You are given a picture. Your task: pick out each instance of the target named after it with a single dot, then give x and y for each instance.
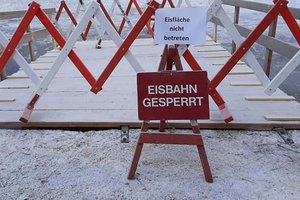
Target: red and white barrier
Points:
(34, 10)
(92, 11)
(280, 8)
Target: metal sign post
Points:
(175, 95)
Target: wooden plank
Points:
(271, 98)
(17, 77)
(245, 84)
(35, 35)
(282, 117)
(241, 73)
(68, 102)
(239, 63)
(7, 100)
(13, 87)
(207, 45)
(212, 50)
(216, 56)
(50, 119)
(40, 68)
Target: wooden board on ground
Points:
(68, 101)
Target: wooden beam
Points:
(21, 13)
(14, 87)
(241, 73)
(261, 7)
(282, 117)
(7, 100)
(276, 45)
(270, 98)
(245, 84)
(35, 35)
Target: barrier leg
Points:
(202, 153)
(135, 161)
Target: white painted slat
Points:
(6, 100)
(245, 84)
(282, 117)
(268, 98)
(241, 73)
(14, 87)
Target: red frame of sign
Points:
(173, 95)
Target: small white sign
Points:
(180, 26)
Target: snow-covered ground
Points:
(55, 164)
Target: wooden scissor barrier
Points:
(18, 58)
(64, 6)
(109, 14)
(100, 14)
(93, 22)
(150, 28)
(280, 8)
(95, 11)
(138, 8)
(34, 10)
(92, 11)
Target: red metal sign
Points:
(173, 95)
